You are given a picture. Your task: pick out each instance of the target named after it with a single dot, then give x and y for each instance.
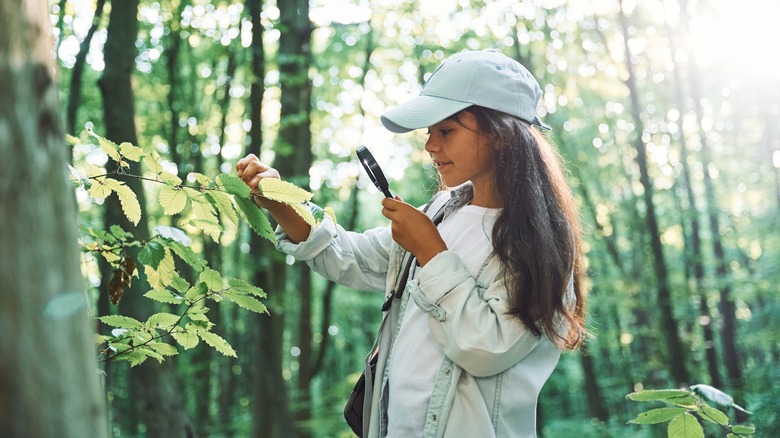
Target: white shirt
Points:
(416, 356)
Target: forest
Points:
(664, 112)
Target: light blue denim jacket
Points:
(493, 369)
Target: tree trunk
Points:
(697, 256)
(675, 354)
(728, 333)
(157, 392)
(48, 371)
(74, 98)
(270, 408)
(293, 160)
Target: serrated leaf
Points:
(242, 286)
(188, 256)
(186, 340)
(304, 213)
(172, 199)
(152, 162)
(657, 394)
(714, 415)
(121, 321)
(742, 429)
(130, 205)
(256, 218)
(211, 278)
(99, 189)
(181, 285)
(210, 228)
(152, 254)
(169, 178)
(109, 147)
(161, 277)
(202, 179)
(233, 185)
(151, 353)
(135, 358)
(162, 320)
(224, 204)
(131, 152)
(164, 296)
(72, 140)
(173, 233)
(331, 213)
(713, 394)
(245, 301)
(218, 343)
(196, 292)
(656, 416)
(283, 191)
(164, 349)
(685, 426)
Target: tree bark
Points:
(74, 98)
(676, 355)
(157, 392)
(48, 371)
(293, 160)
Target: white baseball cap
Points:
(485, 78)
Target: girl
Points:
(474, 328)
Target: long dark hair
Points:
(537, 234)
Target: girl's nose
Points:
(431, 145)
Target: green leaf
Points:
(714, 415)
(131, 152)
(151, 353)
(218, 343)
(172, 199)
(196, 292)
(283, 191)
(161, 277)
(304, 212)
(211, 278)
(121, 321)
(685, 426)
(109, 147)
(256, 218)
(99, 189)
(224, 204)
(713, 394)
(658, 394)
(152, 254)
(202, 179)
(135, 357)
(245, 301)
(169, 178)
(152, 162)
(332, 213)
(164, 296)
(741, 429)
(210, 228)
(162, 320)
(188, 256)
(233, 185)
(173, 233)
(130, 205)
(181, 285)
(656, 416)
(163, 348)
(186, 340)
(242, 286)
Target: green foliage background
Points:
(577, 52)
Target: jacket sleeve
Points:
(475, 331)
(356, 260)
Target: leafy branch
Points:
(213, 204)
(685, 408)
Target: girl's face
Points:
(461, 154)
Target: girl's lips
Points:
(439, 165)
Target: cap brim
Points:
(421, 112)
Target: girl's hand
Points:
(251, 170)
(413, 230)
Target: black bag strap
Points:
(409, 259)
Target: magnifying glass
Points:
(373, 170)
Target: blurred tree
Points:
(47, 361)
